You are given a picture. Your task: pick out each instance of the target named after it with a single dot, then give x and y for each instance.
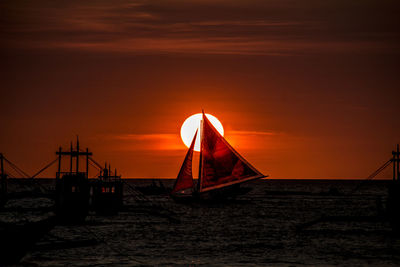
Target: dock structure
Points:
(72, 187)
(393, 203)
(107, 192)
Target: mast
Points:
(59, 163)
(201, 154)
(396, 162)
(73, 153)
(70, 162)
(77, 154)
(87, 162)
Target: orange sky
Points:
(304, 90)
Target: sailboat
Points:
(221, 169)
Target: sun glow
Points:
(190, 126)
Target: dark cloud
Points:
(234, 27)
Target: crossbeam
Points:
(74, 153)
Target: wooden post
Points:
(105, 174)
(87, 162)
(394, 166)
(59, 163)
(74, 153)
(398, 162)
(70, 164)
(77, 154)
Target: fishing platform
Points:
(72, 187)
(107, 192)
(76, 194)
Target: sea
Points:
(278, 223)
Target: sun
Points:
(191, 124)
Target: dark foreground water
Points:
(259, 229)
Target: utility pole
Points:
(396, 161)
(77, 154)
(59, 163)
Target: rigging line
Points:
(36, 182)
(43, 169)
(97, 175)
(94, 166)
(95, 162)
(12, 164)
(15, 167)
(18, 172)
(100, 166)
(380, 169)
(372, 176)
(9, 175)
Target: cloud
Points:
(145, 142)
(197, 27)
(254, 133)
(248, 140)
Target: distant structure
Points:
(76, 194)
(396, 164)
(3, 182)
(107, 196)
(72, 187)
(393, 204)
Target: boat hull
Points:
(212, 196)
(183, 198)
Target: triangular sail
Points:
(185, 176)
(221, 164)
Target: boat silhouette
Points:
(221, 169)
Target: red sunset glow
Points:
(304, 92)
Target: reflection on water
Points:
(258, 229)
